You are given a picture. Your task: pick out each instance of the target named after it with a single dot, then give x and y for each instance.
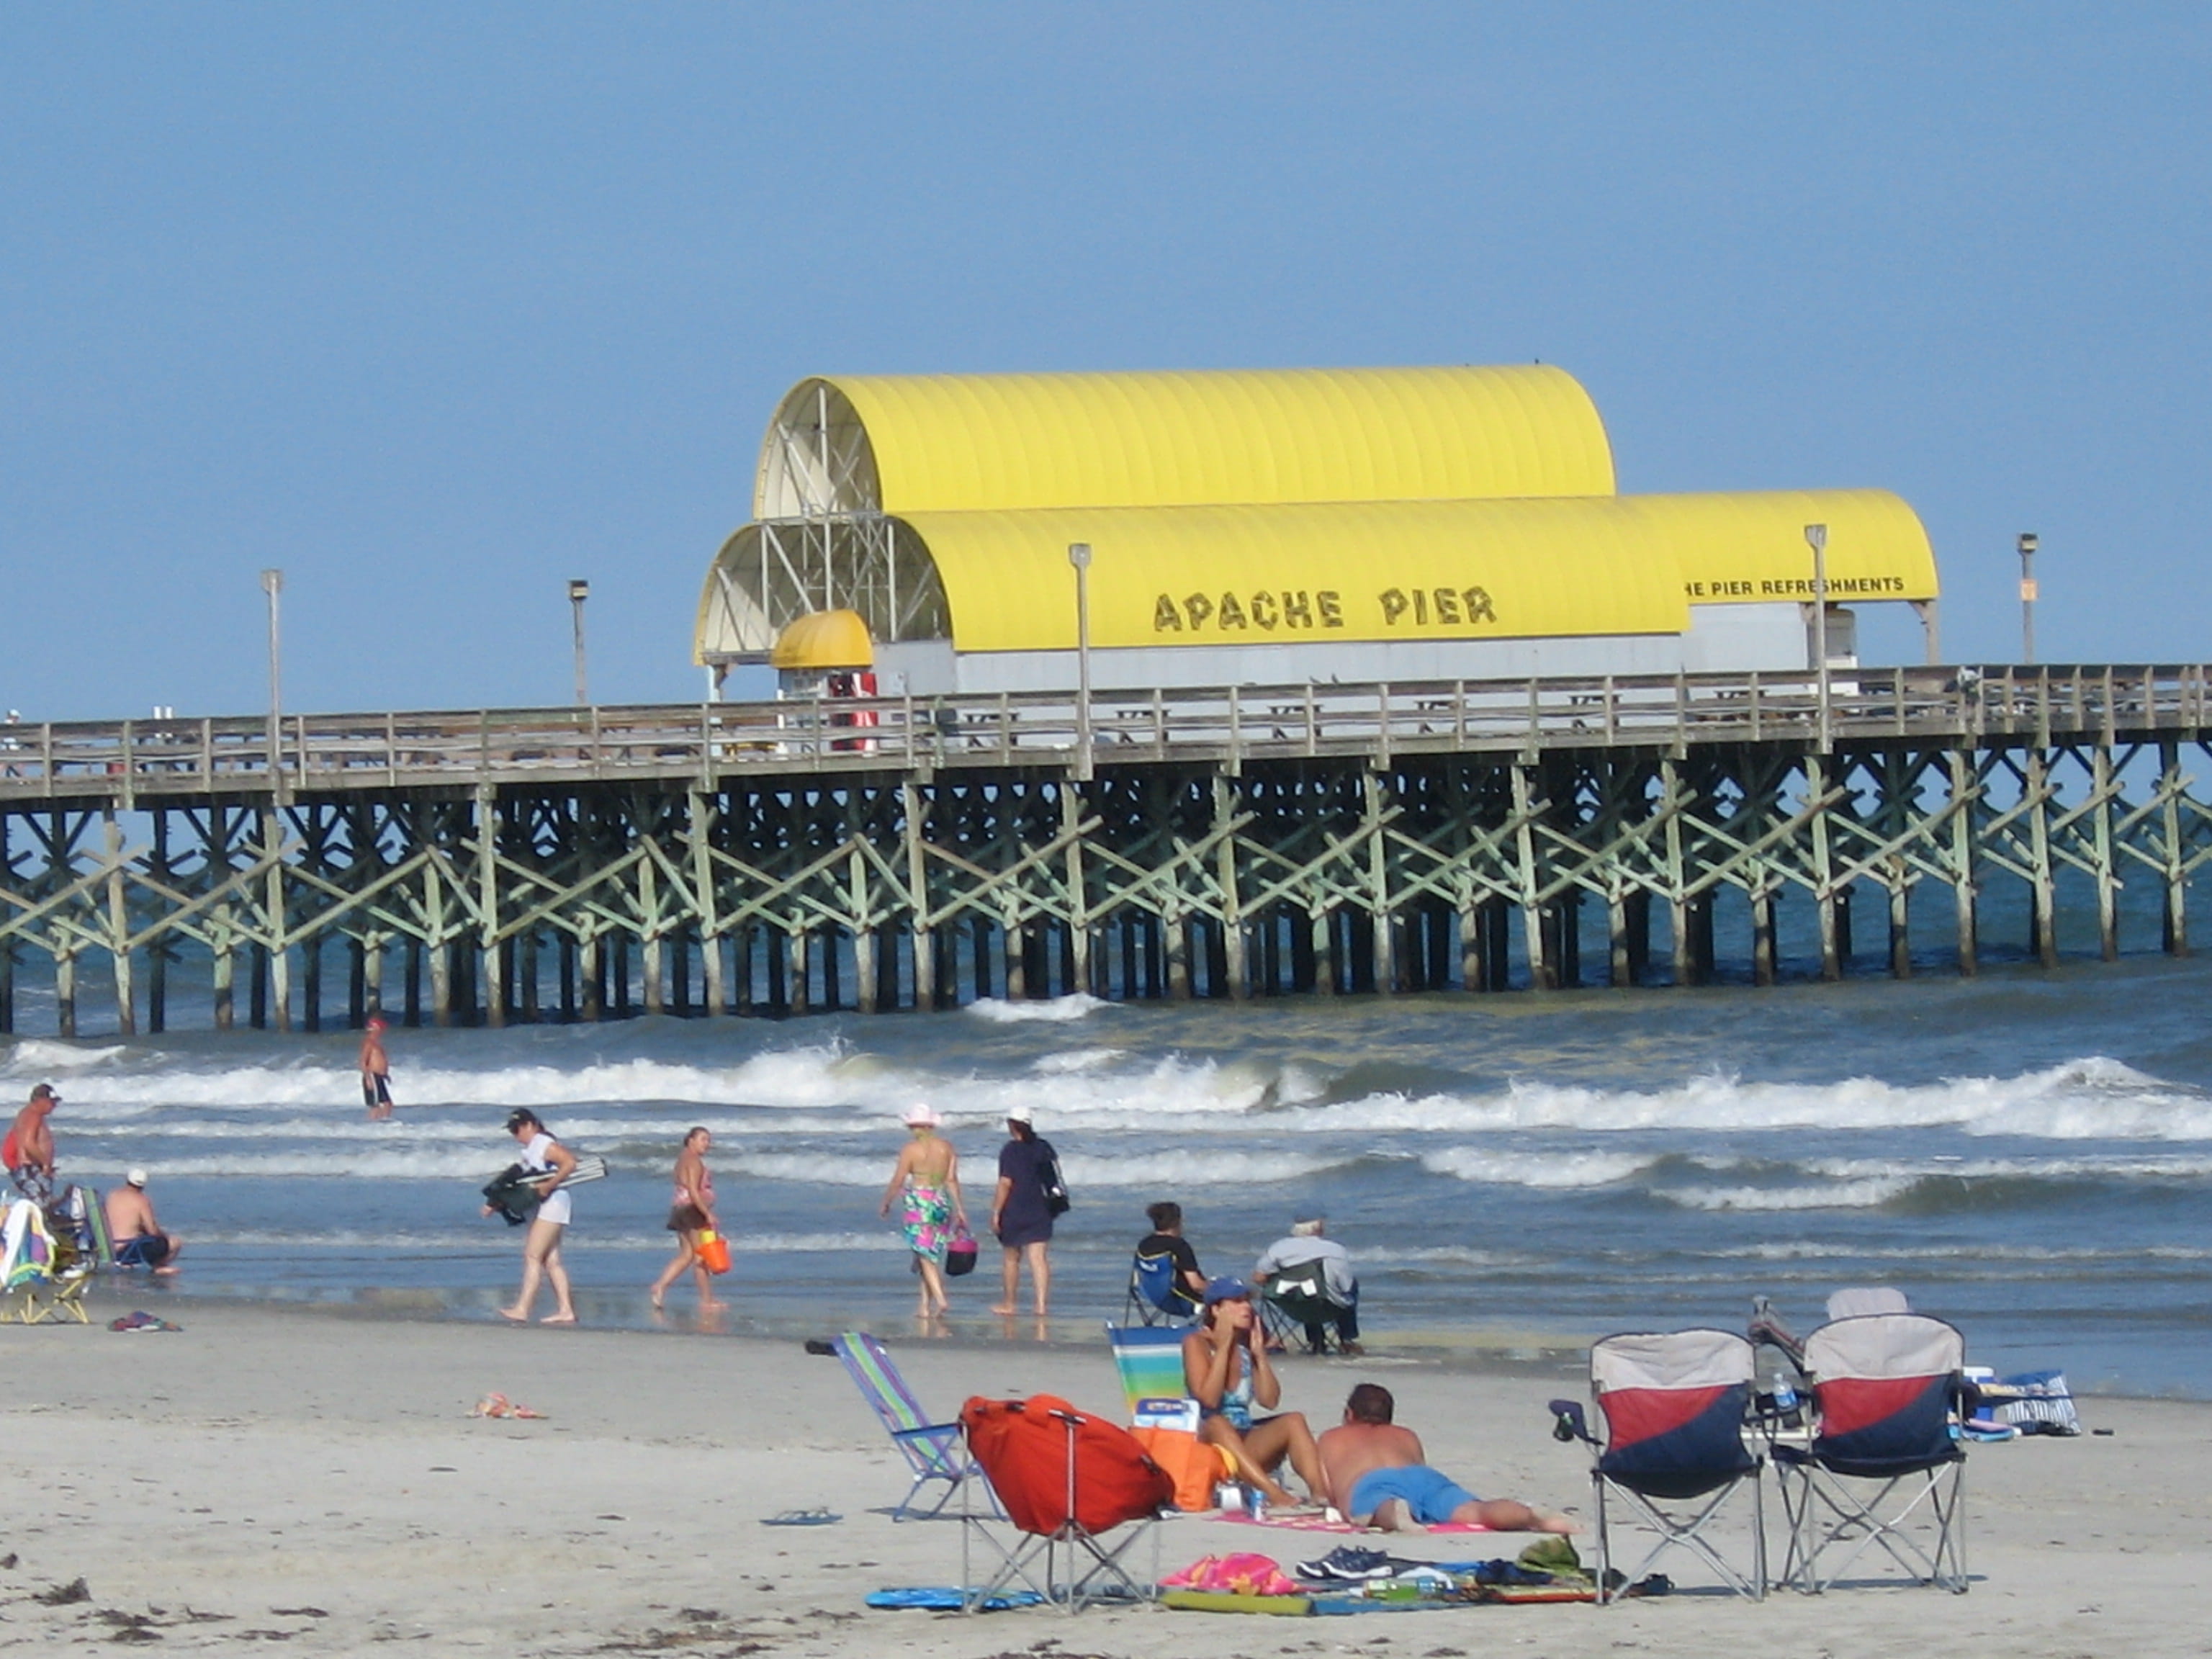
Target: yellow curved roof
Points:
(1750, 549)
(1011, 442)
(1406, 570)
(825, 639)
(1216, 575)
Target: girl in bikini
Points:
(1225, 1367)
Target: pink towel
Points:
(1243, 1574)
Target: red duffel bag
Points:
(1024, 1445)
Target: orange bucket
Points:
(714, 1251)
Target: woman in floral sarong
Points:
(926, 1184)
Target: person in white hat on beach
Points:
(135, 1233)
(926, 1184)
(1023, 1208)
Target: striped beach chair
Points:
(1149, 1358)
(934, 1451)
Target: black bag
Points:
(511, 1193)
(1056, 1200)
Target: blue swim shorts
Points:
(1428, 1493)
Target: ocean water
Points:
(2028, 1154)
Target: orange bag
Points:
(1189, 1461)
(713, 1251)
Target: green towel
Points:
(1555, 1555)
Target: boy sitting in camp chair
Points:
(1308, 1279)
(1163, 1274)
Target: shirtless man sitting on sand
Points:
(1377, 1477)
(133, 1231)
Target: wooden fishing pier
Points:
(774, 858)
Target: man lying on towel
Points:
(1377, 1477)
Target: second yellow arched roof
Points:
(1016, 442)
(1407, 570)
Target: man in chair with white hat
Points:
(134, 1231)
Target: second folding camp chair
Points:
(1881, 1467)
(1068, 1481)
(933, 1450)
(1673, 1407)
(1297, 1305)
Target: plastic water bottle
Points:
(1785, 1396)
(1255, 1502)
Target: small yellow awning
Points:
(825, 639)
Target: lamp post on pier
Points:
(1079, 556)
(1816, 538)
(272, 584)
(579, 591)
(2028, 545)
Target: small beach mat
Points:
(1321, 1523)
(1191, 1600)
(944, 1598)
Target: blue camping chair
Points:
(1155, 1295)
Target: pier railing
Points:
(121, 761)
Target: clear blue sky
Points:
(436, 307)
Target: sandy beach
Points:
(312, 1477)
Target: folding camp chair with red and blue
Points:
(1067, 1480)
(1882, 1467)
(1674, 1407)
(932, 1450)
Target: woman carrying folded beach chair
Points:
(546, 1162)
(1226, 1369)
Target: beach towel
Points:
(1241, 1574)
(944, 1598)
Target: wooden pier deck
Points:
(774, 858)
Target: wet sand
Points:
(312, 1477)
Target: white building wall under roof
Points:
(1732, 638)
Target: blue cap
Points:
(1227, 1288)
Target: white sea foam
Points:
(1211, 1167)
(1075, 1060)
(1076, 1006)
(2094, 1098)
(1094, 1086)
(34, 1059)
(1542, 1169)
(1871, 1192)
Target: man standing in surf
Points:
(375, 1072)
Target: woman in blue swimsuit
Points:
(1225, 1367)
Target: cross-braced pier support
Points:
(767, 894)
